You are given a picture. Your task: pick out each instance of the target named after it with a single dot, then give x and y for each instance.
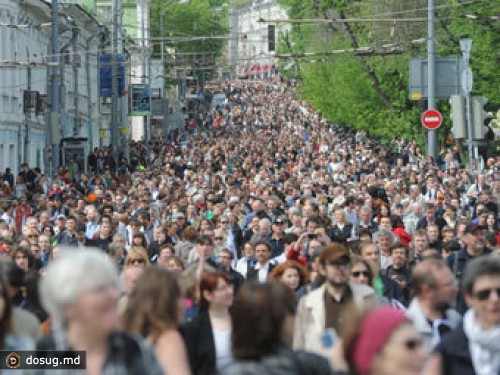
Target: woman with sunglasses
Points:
(361, 272)
(137, 257)
(380, 341)
(474, 346)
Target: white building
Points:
(251, 42)
(25, 33)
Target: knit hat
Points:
(376, 329)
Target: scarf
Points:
(484, 346)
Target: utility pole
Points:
(27, 114)
(145, 73)
(467, 81)
(75, 61)
(164, 100)
(431, 102)
(55, 128)
(89, 94)
(114, 82)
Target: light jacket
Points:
(310, 318)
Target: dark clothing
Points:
(238, 238)
(200, 346)
(253, 273)
(64, 238)
(422, 223)
(457, 263)
(277, 246)
(455, 353)
(236, 279)
(340, 235)
(402, 274)
(125, 355)
(101, 243)
(283, 362)
(392, 290)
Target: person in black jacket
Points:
(474, 346)
(341, 231)
(225, 258)
(208, 335)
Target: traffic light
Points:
(457, 104)
(478, 116)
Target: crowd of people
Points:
(270, 242)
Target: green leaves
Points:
(341, 87)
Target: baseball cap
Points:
(279, 220)
(61, 216)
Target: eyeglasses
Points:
(223, 222)
(218, 238)
(484, 294)
(357, 274)
(412, 344)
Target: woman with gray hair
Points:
(80, 291)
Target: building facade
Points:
(25, 34)
(252, 44)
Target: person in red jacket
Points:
(398, 229)
(22, 211)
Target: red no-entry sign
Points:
(432, 119)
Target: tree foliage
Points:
(372, 92)
(194, 30)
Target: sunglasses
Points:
(359, 273)
(137, 261)
(223, 222)
(484, 294)
(413, 344)
(218, 238)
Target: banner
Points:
(141, 100)
(105, 75)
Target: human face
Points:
(446, 289)
(102, 302)
(430, 214)
(36, 251)
(385, 223)
(399, 257)
(385, 242)
(21, 261)
(359, 274)
(490, 220)
(222, 296)
(70, 225)
(370, 253)
(336, 273)
(248, 250)
(225, 259)
(420, 243)
(402, 354)
(262, 253)
(291, 278)
(159, 235)
(433, 233)
(487, 310)
(474, 241)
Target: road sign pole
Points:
(431, 104)
(465, 46)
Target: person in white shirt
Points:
(260, 271)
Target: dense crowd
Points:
(263, 240)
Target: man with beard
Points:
(321, 310)
(475, 246)
(434, 289)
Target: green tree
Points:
(370, 89)
(195, 30)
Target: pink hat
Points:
(376, 328)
